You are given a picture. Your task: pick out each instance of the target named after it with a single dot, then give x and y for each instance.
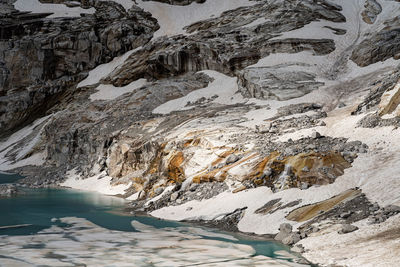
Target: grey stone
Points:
(142, 195)
(267, 172)
(232, 158)
(193, 187)
(392, 209)
(345, 215)
(298, 248)
(291, 239)
(347, 228)
(174, 196)
(305, 169)
(316, 135)
(285, 230)
(265, 128)
(158, 191)
(286, 227)
(314, 229)
(304, 186)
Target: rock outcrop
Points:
(382, 45)
(228, 44)
(41, 58)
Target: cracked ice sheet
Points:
(173, 19)
(82, 242)
(58, 10)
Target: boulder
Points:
(232, 158)
(174, 196)
(347, 228)
(285, 229)
(291, 239)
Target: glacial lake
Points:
(74, 228)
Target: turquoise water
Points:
(6, 178)
(39, 206)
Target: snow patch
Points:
(103, 70)
(370, 246)
(100, 183)
(58, 10)
(110, 92)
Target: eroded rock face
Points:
(277, 84)
(86, 136)
(371, 11)
(227, 45)
(380, 46)
(43, 57)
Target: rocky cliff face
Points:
(41, 58)
(272, 111)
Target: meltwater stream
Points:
(74, 228)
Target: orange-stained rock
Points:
(308, 212)
(333, 163)
(175, 170)
(239, 189)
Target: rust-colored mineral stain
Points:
(333, 161)
(194, 133)
(239, 189)
(157, 161)
(209, 176)
(188, 143)
(258, 170)
(192, 142)
(221, 157)
(393, 103)
(310, 211)
(175, 171)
